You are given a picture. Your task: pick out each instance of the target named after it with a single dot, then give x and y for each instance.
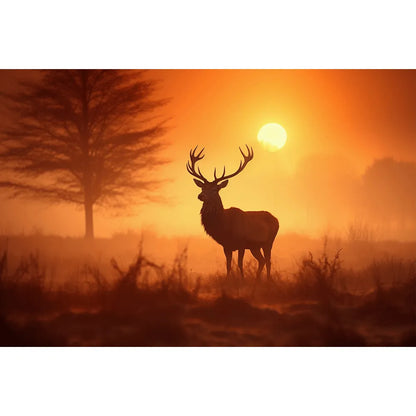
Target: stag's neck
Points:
(212, 213)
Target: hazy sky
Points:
(337, 122)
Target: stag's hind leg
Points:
(240, 261)
(259, 257)
(268, 254)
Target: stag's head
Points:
(211, 189)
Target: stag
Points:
(233, 228)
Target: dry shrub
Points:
(24, 289)
(316, 277)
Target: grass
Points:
(322, 303)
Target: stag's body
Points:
(233, 228)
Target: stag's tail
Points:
(273, 223)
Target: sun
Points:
(272, 136)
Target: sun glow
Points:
(272, 136)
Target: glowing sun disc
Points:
(272, 136)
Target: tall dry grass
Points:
(145, 302)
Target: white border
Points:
(214, 34)
(207, 381)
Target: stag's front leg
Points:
(228, 255)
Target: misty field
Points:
(150, 291)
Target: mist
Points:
(325, 194)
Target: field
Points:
(127, 291)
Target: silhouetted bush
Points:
(24, 289)
(316, 277)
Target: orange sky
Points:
(340, 121)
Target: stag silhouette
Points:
(233, 228)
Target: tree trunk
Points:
(89, 223)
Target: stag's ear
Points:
(198, 183)
(222, 184)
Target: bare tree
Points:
(83, 136)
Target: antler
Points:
(247, 158)
(190, 165)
